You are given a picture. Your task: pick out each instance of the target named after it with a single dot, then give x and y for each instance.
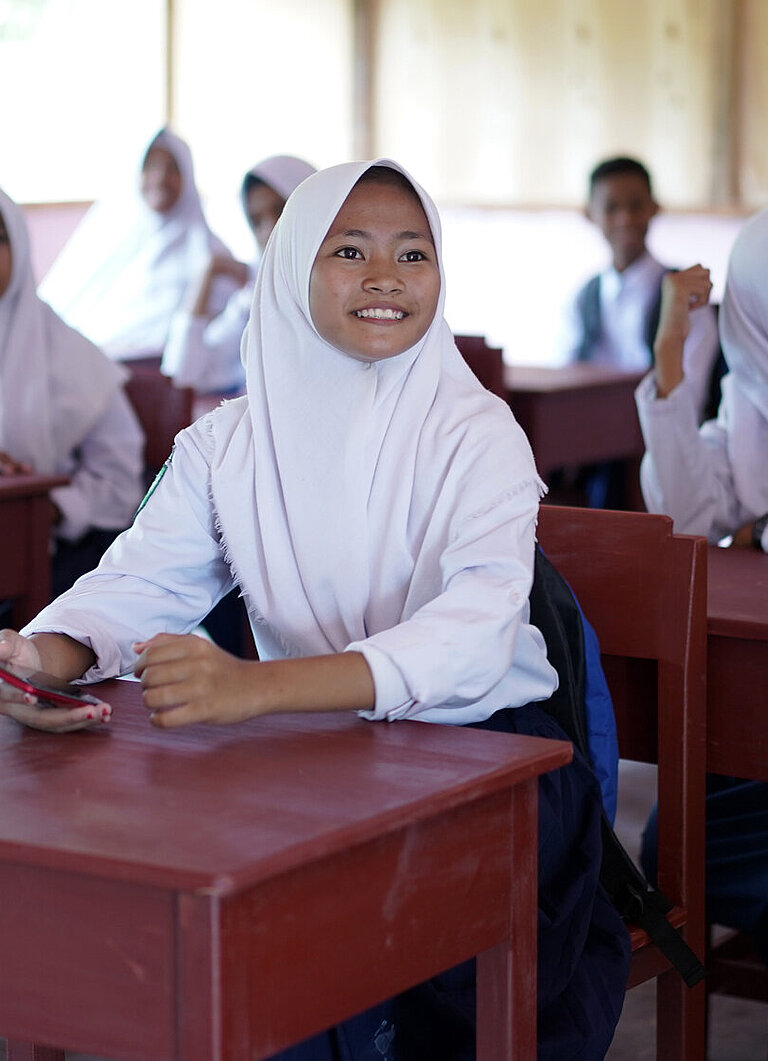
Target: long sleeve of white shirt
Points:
(105, 474)
(166, 572)
(162, 575)
(204, 353)
(685, 472)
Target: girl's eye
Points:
(349, 253)
(413, 256)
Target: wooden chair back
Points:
(163, 410)
(644, 591)
(485, 361)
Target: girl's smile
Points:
(375, 282)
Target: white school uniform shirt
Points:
(204, 352)
(126, 269)
(386, 507)
(626, 300)
(62, 406)
(713, 480)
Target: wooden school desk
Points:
(220, 893)
(577, 414)
(737, 663)
(25, 553)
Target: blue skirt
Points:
(736, 856)
(583, 953)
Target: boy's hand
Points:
(18, 651)
(681, 293)
(187, 679)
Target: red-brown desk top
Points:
(578, 376)
(181, 886)
(737, 593)
(737, 662)
(12, 486)
(577, 414)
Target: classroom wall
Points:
(500, 107)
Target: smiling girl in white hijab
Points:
(126, 269)
(377, 508)
(62, 408)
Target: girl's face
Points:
(375, 283)
(6, 261)
(263, 207)
(160, 180)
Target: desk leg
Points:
(506, 974)
(16, 1051)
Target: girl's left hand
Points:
(187, 679)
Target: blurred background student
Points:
(713, 480)
(203, 349)
(63, 412)
(130, 262)
(614, 317)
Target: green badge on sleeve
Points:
(155, 483)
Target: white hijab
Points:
(336, 482)
(744, 338)
(54, 383)
(126, 269)
(283, 173)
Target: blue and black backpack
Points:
(583, 708)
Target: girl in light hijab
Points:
(377, 508)
(126, 269)
(62, 412)
(203, 350)
(713, 481)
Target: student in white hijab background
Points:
(63, 412)
(713, 481)
(377, 507)
(126, 268)
(203, 350)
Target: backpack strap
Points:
(556, 613)
(639, 902)
(588, 309)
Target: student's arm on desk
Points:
(55, 654)
(187, 679)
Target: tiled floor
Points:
(738, 1029)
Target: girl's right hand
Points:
(18, 651)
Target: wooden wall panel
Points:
(496, 102)
(752, 94)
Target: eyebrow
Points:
(362, 234)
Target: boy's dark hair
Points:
(612, 167)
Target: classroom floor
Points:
(738, 1029)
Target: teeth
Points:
(381, 314)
